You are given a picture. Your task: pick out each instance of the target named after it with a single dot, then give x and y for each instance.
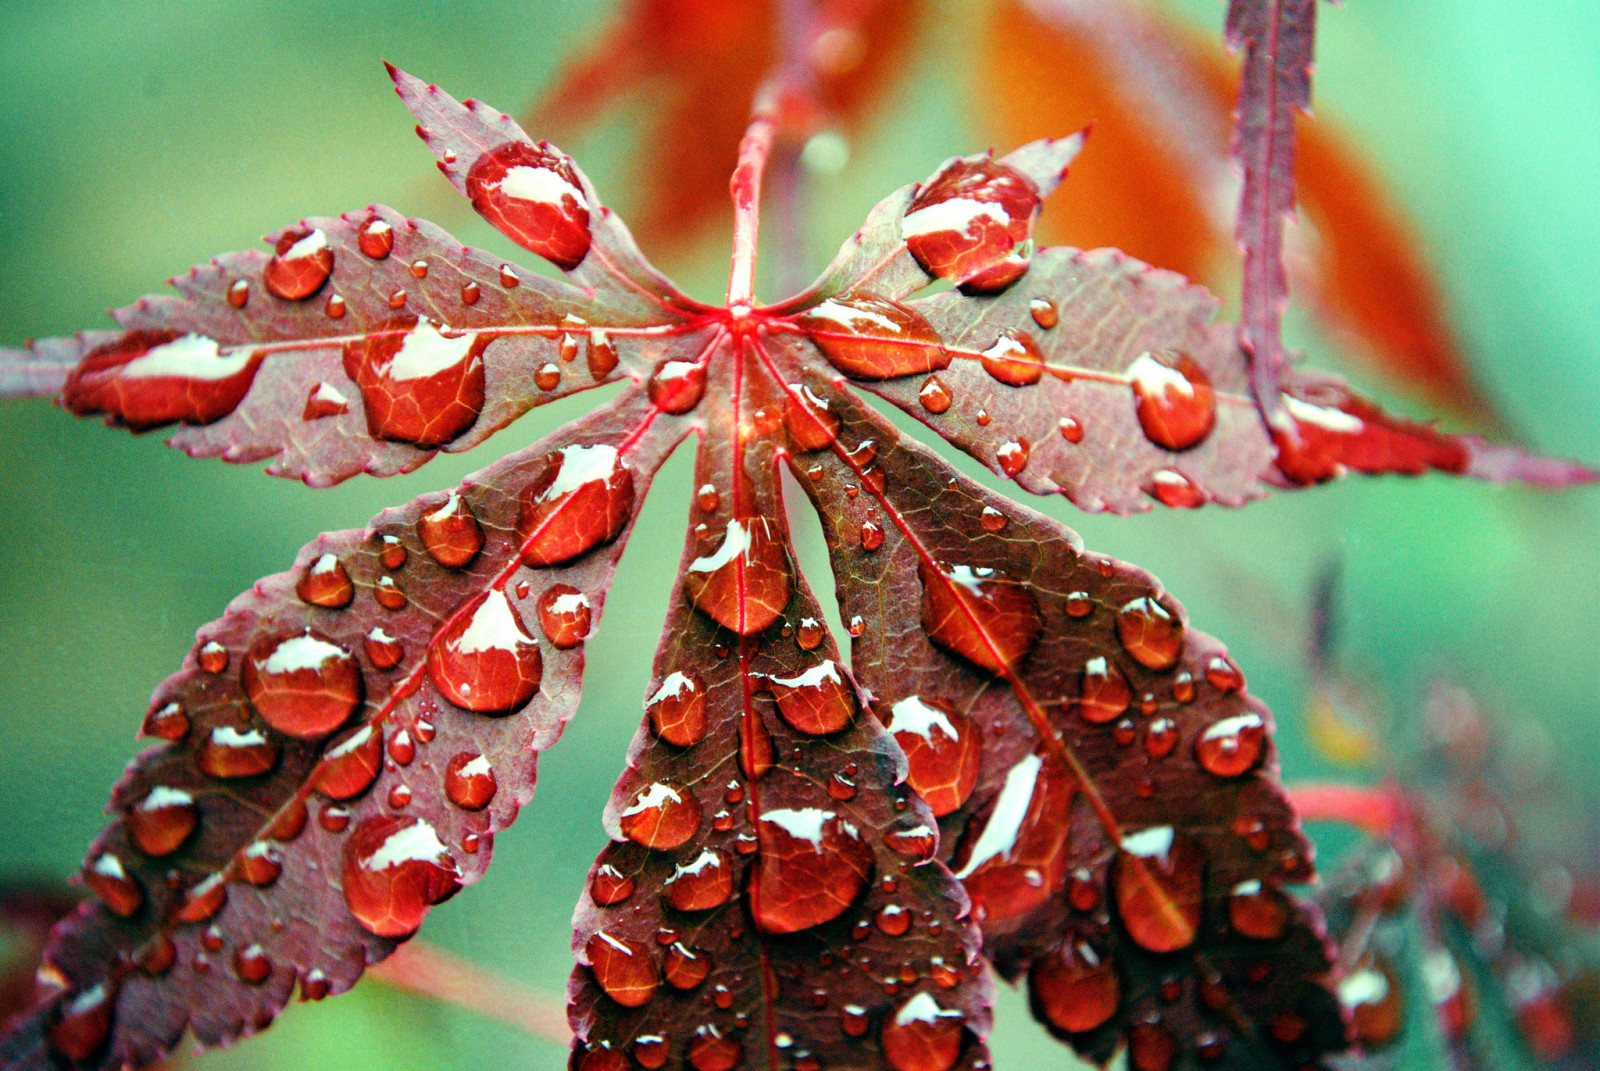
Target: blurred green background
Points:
(138, 138)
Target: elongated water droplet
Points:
(146, 378)
(1074, 988)
(451, 533)
(301, 263)
(1149, 633)
(420, 382)
(395, 868)
(678, 709)
(239, 293)
(811, 866)
(302, 683)
(388, 593)
(564, 616)
(1014, 858)
(746, 583)
(704, 882)
(602, 357)
(350, 766)
(922, 1036)
(533, 196)
(812, 425)
(1175, 490)
(661, 817)
(581, 499)
(261, 863)
(230, 752)
(1158, 884)
(818, 701)
(484, 660)
(1376, 1002)
(469, 781)
(470, 293)
(1015, 360)
(1232, 746)
(873, 338)
(979, 614)
(942, 748)
(624, 968)
(204, 900)
(1104, 692)
(1173, 399)
(119, 890)
(212, 656)
(325, 583)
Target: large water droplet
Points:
(745, 583)
(705, 882)
(1014, 859)
(873, 338)
(1074, 988)
(325, 583)
(1173, 398)
(678, 709)
(469, 781)
(966, 221)
(533, 196)
(376, 238)
(167, 721)
(162, 820)
(1158, 884)
(231, 752)
(943, 749)
(302, 261)
(564, 616)
(1015, 360)
(661, 817)
(119, 890)
(350, 766)
(302, 683)
(1149, 633)
(1232, 746)
(818, 701)
(676, 386)
(624, 968)
(484, 660)
(394, 869)
(1104, 693)
(812, 865)
(581, 499)
(451, 533)
(146, 378)
(922, 1036)
(979, 614)
(418, 384)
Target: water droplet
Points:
(678, 709)
(252, 965)
(350, 766)
(157, 957)
(509, 278)
(398, 298)
(1160, 738)
(383, 650)
(686, 968)
(239, 293)
(705, 882)
(212, 656)
(809, 634)
(231, 752)
(261, 863)
(451, 533)
(1104, 692)
(167, 721)
(402, 749)
(376, 238)
(676, 386)
(548, 377)
(1376, 1002)
(818, 701)
(533, 195)
(854, 1021)
(1223, 674)
(610, 886)
(301, 263)
(708, 499)
(1013, 457)
(893, 920)
(942, 749)
(83, 1024)
(745, 583)
(581, 499)
(1183, 689)
(935, 396)
(470, 293)
(1173, 398)
(394, 869)
(483, 659)
(1175, 490)
(1014, 359)
(602, 355)
(980, 614)
(110, 881)
(1258, 911)
(1232, 746)
(564, 616)
(1074, 988)
(660, 816)
(420, 381)
(1044, 313)
(991, 519)
(915, 841)
(873, 338)
(302, 683)
(812, 425)
(1150, 1047)
(1149, 633)
(811, 867)
(856, 625)
(334, 308)
(922, 1036)
(204, 900)
(710, 1051)
(965, 222)
(871, 536)
(388, 593)
(1158, 885)
(399, 797)
(1071, 430)
(623, 967)
(419, 268)
(650, 1051)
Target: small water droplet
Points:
(325, 583)
(204, 900)
(1149, 633)
(388, 593)
(1071, 429)
(602, 359)
(167, 722)
(983, 418)
(1160, 738)
(871, 536)
(419, 268)
(1258, 911)
(610, 886)
(935, 396)
(676, 386)
(660, 816)
(746, 583)
(302, 261)
(704, 882)
(376, 238)
(119, 890)
(157, 957)
(398, 298)
(228, 751)
(383, 650)
(509, 279)
(548, 377)
(709, 1050)
(564, 616)
(1175, 490)
(261, 863)
(83, 1023)
(1150, 1047)
(1044, 313)
(893, 920)
(1175, 403)
(1013, 457)
(811, 424)
(991, 519)
(212, 656)
(854, 1021)
(239, 293)
(470, 293)
(252, 965)
(1223, 674)
(650, 1051)
(451, 532)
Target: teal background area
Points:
(139, 138)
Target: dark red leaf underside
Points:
(325, 786)
(994, 619)
(769, 899)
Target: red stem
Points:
(746, 189)
(439, 975)
(1376, 810)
